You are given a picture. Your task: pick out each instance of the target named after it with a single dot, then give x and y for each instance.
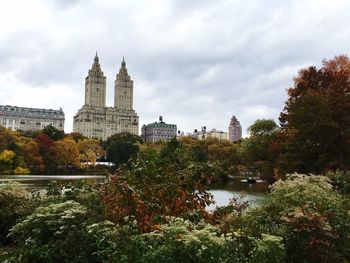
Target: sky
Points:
(194, 62)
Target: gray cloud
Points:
(194, 62)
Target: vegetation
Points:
(153, 209)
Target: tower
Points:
(234, 130)
(94, 119)
(123, 89)
(95, 86)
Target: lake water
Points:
(222, 193)
(241, 191)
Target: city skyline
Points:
(195, 62)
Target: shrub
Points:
(53, 234)
(269, 249)
(115, 243)
(14, 205)
(341, 180)
(182, 241)
(310, 216)
(154, 187)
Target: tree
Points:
(53, 132)
(30, 151)
(121, 147)
(90, 150)
(6, 161)
(263, 127)
(316, 119)
(258, 152)
(66, 155)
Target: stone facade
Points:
(234, 130)
(158, 131)
(204, 134)
(30, 119)
(94, 119)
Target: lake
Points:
(241, 191)
(222, 193)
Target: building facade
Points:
(158, 131)
(30, 119)
(95, 119)
(203, 134)
(234, 130)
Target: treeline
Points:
(47, 151)
(313, 136)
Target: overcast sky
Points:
(195, 62)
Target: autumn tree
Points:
(11, 152)
(90, 150)
(316, 119)
(29, 149)
(155, 186)
(66, 155)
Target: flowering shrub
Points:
(53, 234)
(310, 216)
(182, 241)
(268, 249)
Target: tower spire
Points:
(123, 62)
(96, 57)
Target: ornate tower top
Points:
(123, 63)
(123, 89)
(95, 70)
(95, 85)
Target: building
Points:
(95, 119)
(203, 134)
(234, 130)
(158, 131)
(214, 133)
(30, 119)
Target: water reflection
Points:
(241, 191)
(36, 182)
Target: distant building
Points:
(30, 119)
(234, 130)
(94, 119)
(201, 135)
(204, 134)
(221, 135)
(158, 131)
(180, 134)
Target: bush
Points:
(310, 216)
(154, 187)
(182, 241)
(15, 205)
(341, 180)
(269, 249)
(53, 234)
(114, 243)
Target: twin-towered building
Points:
(97, 120)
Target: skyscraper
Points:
(94, 119)
(234, 130)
